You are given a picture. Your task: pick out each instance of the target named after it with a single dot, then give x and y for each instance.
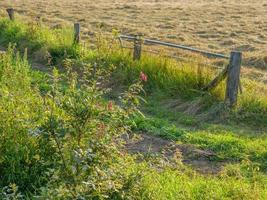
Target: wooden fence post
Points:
(233, 79)
(39, 20)
(11, 13)
(137, 48)
(77, 33)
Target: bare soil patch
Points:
(198, 159)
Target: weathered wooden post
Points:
(137, 48)
(11, 13)
(233, 79)
(77, 33)
(39, 20)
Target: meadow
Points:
(218, 26)
(91, 123)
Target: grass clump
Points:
(42, 43)
(178, 185)
(21, 110)
(226, 144)
(230, 147)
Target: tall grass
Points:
(20, 111)
(39, 40)
(178, 185)
(185, 80)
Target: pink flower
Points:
(143, 77)
(110, 105)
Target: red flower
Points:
(143, 77)
(110, 105)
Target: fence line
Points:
(178, 58)
(231, 71)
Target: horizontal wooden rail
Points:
(167, 44)
(179, 58)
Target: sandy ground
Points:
(215, 25)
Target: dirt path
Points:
(199, 160)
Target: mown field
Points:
(91, 123)
(216, 25)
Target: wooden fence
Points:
(231, 71)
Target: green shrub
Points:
(66, 137)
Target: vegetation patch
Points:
(62, 133)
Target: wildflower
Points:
(143, 77)
(110, 105)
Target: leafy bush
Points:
(66, 138)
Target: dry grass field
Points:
(216, 25)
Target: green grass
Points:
(41, 42)
(176, 185)
(227, 144)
